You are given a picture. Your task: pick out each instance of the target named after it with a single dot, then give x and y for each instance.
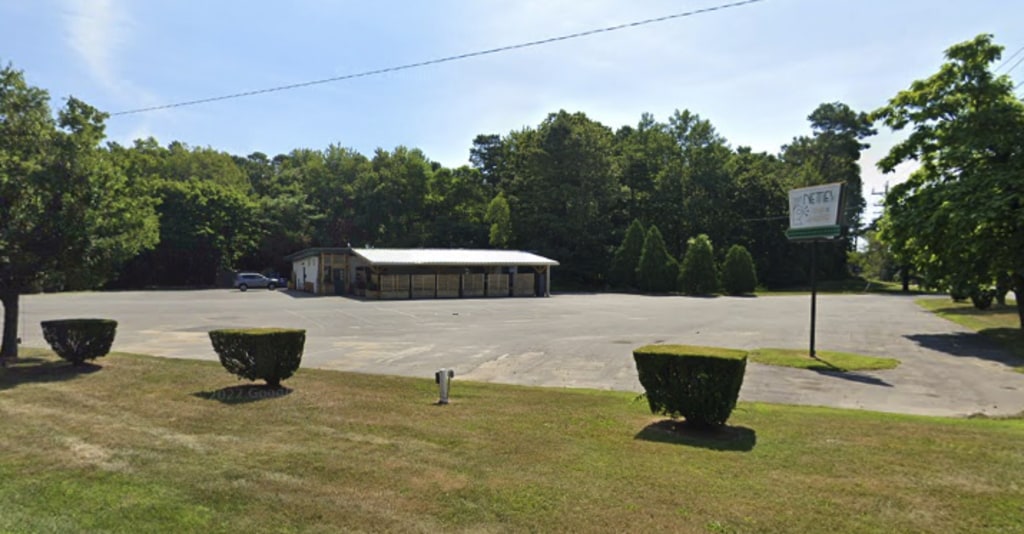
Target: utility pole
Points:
(884, 193)
(904, 269)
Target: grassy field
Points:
(826, 360)
(998, 323)
(144, 444)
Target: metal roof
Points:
(449, 257)
(315, 251)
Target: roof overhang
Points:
(316, 251)
(447, 257)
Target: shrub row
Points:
(642, 261)
(270, 354)
(701, 384)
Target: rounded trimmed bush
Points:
(739, 276)
(77, 340)
(270, 354)
(700, 384)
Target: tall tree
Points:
(760, 208)
(208, 215)
(68, 213)
(831, 155)
(456, 206)
(563, 192)
(488, 156)
(707, 186)
(959, 218)
(643, 154)
(500, 219)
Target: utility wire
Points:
(1015, 65)
(443, 59)
(1009, 59)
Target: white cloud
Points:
(100, 32)
(97, 29)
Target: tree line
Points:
(566, 189)
(77, 213)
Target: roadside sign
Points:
(815, 212)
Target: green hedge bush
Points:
(270, 354)
(698, 275)
(700, 384)
(77, 340)
(739, 276)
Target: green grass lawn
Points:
(826, 360)
(999, 323)
(144, 444)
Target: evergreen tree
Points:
(697, 275)
(738, 274)
(656, 272)
(627, 256)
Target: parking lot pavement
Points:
(579, 340)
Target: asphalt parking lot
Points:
(579, 340)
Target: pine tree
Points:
(698, 275)
(627, 257)
(656, 272)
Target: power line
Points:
(443, 59)
(1015, 65)
(1009, 59)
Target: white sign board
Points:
(815, 206)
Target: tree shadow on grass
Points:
(244, 394)
(724, 438)
(990, 344)
(32, 370)
(852, 376)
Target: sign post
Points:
(815, 214)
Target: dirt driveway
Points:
(580, 340)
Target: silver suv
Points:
(244, 281)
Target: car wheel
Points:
(242, 287)
(271, 286)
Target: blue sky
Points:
(754, 71)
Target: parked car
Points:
(277, 278)
(244, 281)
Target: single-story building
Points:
(388, 273)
